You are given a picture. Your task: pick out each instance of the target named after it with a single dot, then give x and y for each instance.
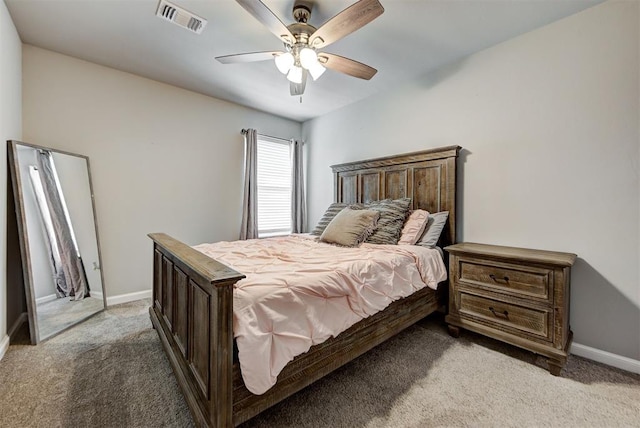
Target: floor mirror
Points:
(58, 234)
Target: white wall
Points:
(550, 126)
(10, 128)
(163, 159)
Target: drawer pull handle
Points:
(505, 278)
(503, 314)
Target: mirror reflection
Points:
(58, 238)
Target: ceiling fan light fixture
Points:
(308, 57)
(284, 62)
(295, 74)
(316, 70)
(302, 41)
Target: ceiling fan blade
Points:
(263, 14)
(346, 22)
(347, 66)
(248, 57)
(298, 88)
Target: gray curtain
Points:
(48, 233)
(249, 227)
(298, 201)
(73, 282)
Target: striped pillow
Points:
(329, 214)
(393, 213)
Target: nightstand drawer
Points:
(526, 281)
(501, 314)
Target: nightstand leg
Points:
(453, 330)
(555, 367)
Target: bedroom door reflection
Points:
(58, 237)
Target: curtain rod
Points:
(244, 131)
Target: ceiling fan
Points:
(302, 41)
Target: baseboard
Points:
(96, 294)
(604, 357)
(22, 318)
(130, 297)
(4, 345)
(45, 299)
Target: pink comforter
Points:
(299, 292)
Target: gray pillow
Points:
(434, 228)
(350, 228)
(329, 214)
(393, 213)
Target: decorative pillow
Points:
(434, 228)
(350, 228)
(329, 214)
(393, 213)
(414, 227)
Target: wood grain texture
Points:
(402, 159)
(515, 318)
(167, 291)
(248, 57)
(553, 258)
(201, 355)
(195, 263)
(157, 279)
(216, 393)
(428, 177)
(199, 337)
(396, 183)
(527, 281)
(517, 295)
(346, 22)
(263, 14)
(181, 308)
(370, 187)
(347, 66)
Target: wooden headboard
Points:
(427, 177)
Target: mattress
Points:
(298, 292)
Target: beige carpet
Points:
(111, 372)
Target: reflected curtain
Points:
(249, 227)
(298, 201)
(49, 233)
(71, 280)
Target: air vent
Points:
(181, 17)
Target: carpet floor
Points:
(110, 371)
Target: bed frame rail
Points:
(192, 313)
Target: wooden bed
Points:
(192, 307)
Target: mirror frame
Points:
(16, 182)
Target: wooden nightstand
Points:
(516, 295)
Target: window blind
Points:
(274, 187)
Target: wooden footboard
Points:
(192, 312)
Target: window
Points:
(274, 187)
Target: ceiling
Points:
(411, 38)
